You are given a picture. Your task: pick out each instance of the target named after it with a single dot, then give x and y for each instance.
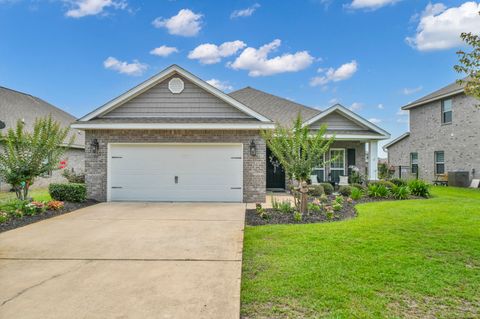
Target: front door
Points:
(275, 173)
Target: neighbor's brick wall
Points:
(75, 160)
(460, 140)
(254, 169)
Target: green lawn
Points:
(40, 194)
(402, 259)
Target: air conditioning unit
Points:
(459, 178)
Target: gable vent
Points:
(176, 85)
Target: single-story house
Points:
(175, 137)
(15, 106)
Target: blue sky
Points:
(370, 55)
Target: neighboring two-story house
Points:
(444, 136)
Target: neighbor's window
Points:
(439, 162)
(447, 111)
(414, 162)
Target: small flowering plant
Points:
(40, 207)
(55, 205)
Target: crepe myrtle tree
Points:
(469, 64)
(28, 155)
(299, 150)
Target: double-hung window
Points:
(320, 171)
(440, 162)
(414, 163)
(337, 166)
(447, 111)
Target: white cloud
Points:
(221, 85)
(380, 106)
(356, 106)
(333, 101)
(370, 4)
(344, 72)
(82, 8)
(440, 28)
(410, 91)
(257, 63)
(134, 68)
(164, 51)
(209, 53)
(375, 120)
(244, 12)
(186, 23)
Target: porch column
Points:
(373, 160)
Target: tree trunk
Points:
(303, 197)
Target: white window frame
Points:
(412, 163)
(437, 163)
(443, 110)
(344, 160)
(321, 168)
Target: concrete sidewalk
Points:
(126, 260)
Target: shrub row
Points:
(72, 192)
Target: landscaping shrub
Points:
(387, 184)
(419, 187)
(377, 190)
(399, 181)
(73, 177)
(316, 190)
(297, 216)
(359, 186)
(285, 207)
(328, 188)
(314, 207)
(324, 198)
(55, 205)
(337, 207)
(356, 193)
(345, 190)
(72, 192)
(339, 199)
(400, 192)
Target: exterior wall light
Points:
(94, 146)
(253, 148)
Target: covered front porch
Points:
(349, 154)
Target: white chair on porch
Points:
(314, 179)
(343, 181)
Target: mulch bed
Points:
(25, 220)
(276, 217)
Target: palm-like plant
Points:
(299, 150)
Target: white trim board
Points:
(351, 115)
(433, 99)
(142, 87)
(395, 140)
(173, 126)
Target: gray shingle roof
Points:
(135, 120)
(445, 91)
(279, 110)
(16, 106)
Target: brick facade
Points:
(254, 168)
(460, 140)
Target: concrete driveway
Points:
(126, 260)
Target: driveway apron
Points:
(126, 260)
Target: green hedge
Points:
(72, 192)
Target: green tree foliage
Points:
(28, 155)
(469, 64)
(299, 150)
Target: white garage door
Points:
(176, 172)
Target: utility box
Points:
(459, 178)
